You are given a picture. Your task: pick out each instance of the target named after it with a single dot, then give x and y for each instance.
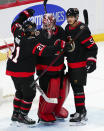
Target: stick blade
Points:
(53, 100)
(50, 100)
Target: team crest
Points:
(82, 27)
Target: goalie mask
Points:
(48, 22)
(48, 25)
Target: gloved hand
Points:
(60, 43)
(25, 15)
(90, 66)
(69, 47)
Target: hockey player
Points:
(80, 62)
(52, 81)
(21, 64)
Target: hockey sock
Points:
(16, 105)
(79, 97)
(25, 107)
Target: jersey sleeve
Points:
(44, 50)
(16, 29)
(88, 42)
(31, 46)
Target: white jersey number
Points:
(17, 54)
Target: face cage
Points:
(48, 23)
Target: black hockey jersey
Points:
(22, 61)
(43, 62)
(85, 46)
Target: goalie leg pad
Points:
(45, 111)
(63, 113)
(42, 111)
(60, 111)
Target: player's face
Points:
(32, 29)
(71, 20)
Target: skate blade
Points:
(31, 126)
(77, 124)
(81, 123)
(27, 125)
(19, 124)
(44, 123)
(15, 124)
(85, 119)
(60, 119)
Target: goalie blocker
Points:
(48, 112)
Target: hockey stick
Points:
(47, 99)
(44, 3)
(6, 46)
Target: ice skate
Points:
(25, 119)
(78, 118)
(14, 117)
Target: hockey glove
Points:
(60, 43)
(90, 66)
(69, 47)
(25, 15)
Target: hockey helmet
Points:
(49, 21)
(72, 12)
(29, 27)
